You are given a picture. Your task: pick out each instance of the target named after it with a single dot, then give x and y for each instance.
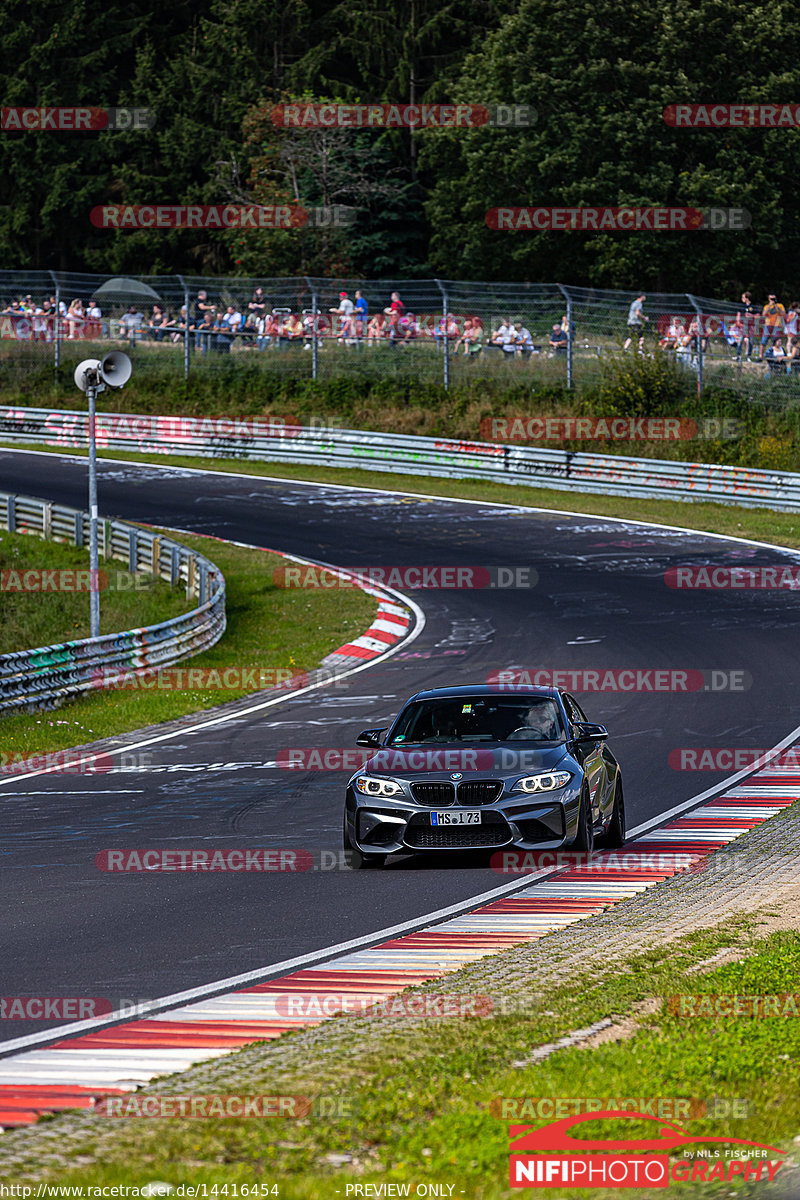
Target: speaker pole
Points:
(94, 572)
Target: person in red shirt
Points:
(394, 312)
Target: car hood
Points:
(484, 761)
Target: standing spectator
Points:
(345, 312)
(636, 322)
(792, 313)
(774, 315)
(394, 312)
(362, 316)
(749, 314)
(75, 319)
(258, 305)
(202, 305)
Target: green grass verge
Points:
(424, 1096)
(269, 628)
(44, 618)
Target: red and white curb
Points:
(76, 1071)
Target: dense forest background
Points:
(598, 74)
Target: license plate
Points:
(462, 817)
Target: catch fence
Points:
(442, 331)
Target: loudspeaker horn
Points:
(88, 364)
(115, 369)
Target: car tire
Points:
(584, 839)
(357, 859)
(614, 836)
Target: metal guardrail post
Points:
(700, 331)
(568, 299)
(446, 376)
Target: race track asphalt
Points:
(600, 601)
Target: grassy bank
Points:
(392, 392)
(425, 1097)
(269, 629)
(46, 617)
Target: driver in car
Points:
(540, 724)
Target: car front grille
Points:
(479, 791)
(420, 836)
(438, 794)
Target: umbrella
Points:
(122, 290)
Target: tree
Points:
(600, 77)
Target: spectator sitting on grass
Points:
(405, 330)
(523, 342)
(794, 353)
(776, 350)
(158, 322)
(204, 331)
(558, 339)
(471, 339)
(131, 323)
(503, 336)
(376, 329)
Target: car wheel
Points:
(356, 858)
(614, 836)
(584, 839)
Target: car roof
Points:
(483, 689)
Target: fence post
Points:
(186, 349)
(446, 377)
(700, 332)
(568, 299)
(314, 317)
(56, 325)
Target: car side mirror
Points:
(370, 738)
(586, 731)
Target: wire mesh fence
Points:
(441, 331)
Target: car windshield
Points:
(479, 719)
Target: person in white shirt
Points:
(503, 336)
(345, 312)
(523, 342)
(230, 323)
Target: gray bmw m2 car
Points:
(482, 768)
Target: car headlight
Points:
(547, 782)
(377, 787)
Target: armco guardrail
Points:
(47, 676)
(276, 440)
